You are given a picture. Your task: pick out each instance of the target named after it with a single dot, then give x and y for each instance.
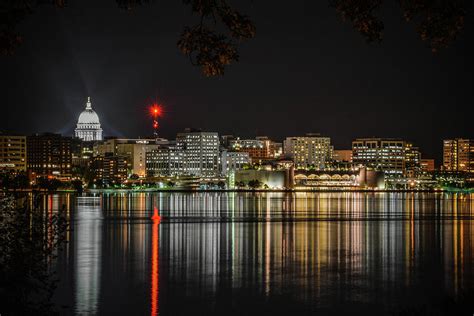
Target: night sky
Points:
(306, 71)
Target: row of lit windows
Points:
(49, 166)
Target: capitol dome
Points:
(88, 125)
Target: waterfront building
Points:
(458, 155)
(225, 140)
(13, 153)
(427, 165)
(276, 150)
(201, 152)
(49, 155)
(88, 124)
(342, 155)
(133, 149)
(109, 169)
(259, 149)
(395, 157)
(329, 178)
(232, 161)
(259, 179)
(273, 150)
(309, 152)
(412, 160)
(165, 161)
(82, 153)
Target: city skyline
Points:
(343, 141)
(90, 115)
(225, 157)
(320, 77)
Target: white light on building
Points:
(88, 125)
(201, 152)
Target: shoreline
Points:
(322, 190)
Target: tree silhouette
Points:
(212, 44)
(255, 184)
(29, 240)
(438, 22)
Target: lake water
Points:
(267, 253)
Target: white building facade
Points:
(134, 149)
(165, 161)
(232, 161)
(88, 125)
(201, 152)
(310, 151)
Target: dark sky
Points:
(305, 71)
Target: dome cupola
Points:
(88, 125)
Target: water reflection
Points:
(291, 206)
(155, 266)
(231, 253)
(88, 254)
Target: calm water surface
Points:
(267, 253)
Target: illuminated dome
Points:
(88, 124)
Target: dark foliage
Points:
(361, 14)
(438, 22)
(14, 181)
(255, 184)
(29, 241)
(240, 184)
(207, 48)
(78, 186)
(202, 44)
(48, 184)
(134, 176)
(130, 4)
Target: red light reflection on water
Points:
(155, 263)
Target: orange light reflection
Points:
(155, 264)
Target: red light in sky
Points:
(156, 110)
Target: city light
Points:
(155, 264)
(156, 111)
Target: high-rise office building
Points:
(201, 152)
(168, 160)
(109, 169)
(458, 155)
(258, 149)
(133, 149)
(310, 151)
(82, 153)
(412, 160)
(49, 155)
(393, 156)
(342, 155)
(13, 153)
(232, 161)
(427, 165)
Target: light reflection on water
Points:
(274, 253)
(87, 254)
